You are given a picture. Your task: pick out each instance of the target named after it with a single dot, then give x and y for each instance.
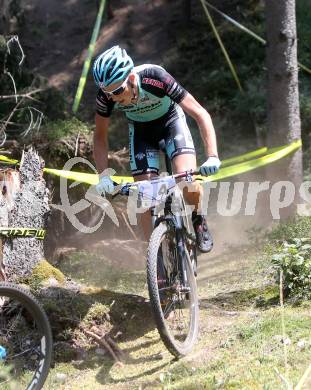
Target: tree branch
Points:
(27, 95)
(108, 343)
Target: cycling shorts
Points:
(144, 138)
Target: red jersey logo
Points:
(155, 83)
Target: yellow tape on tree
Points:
(230, 167)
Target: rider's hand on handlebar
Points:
(105, 185)
(210, 166)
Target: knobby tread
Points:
(152, 254)
(27, 299)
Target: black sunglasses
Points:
(118, 90)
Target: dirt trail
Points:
(220, 277)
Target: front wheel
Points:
(174, 304)
(25, 340)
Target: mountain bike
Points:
(171, 260)
(25, 339)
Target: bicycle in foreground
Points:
(171, 261)
(25, 340)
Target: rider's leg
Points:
(180, 149)
(192, 193)
(144, 161)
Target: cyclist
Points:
(154, 104)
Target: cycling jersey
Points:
(158, 92)
(155, 116)
(144, 141)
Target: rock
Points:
(287, 341)
(278, 338)
(301, 345)
(100, 351)
(51, 282)
(60, 377)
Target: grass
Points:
(251, 355)
(297, 227)
(241, 343)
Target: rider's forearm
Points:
(208, 134)
(193, 108)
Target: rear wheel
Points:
(25, 340)
(175, 305)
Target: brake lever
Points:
(124, 190)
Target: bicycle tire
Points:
(174, 346)
(33, 307)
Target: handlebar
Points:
(125, 188)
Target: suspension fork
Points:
(181, 252)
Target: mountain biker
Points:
(154, 104)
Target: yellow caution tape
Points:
(244, 157)
(87, 178)
(237, 169)
(82, 177)
(230, 167)
(271, 155)
(6, 160)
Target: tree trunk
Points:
(283, 96)
(29, 209)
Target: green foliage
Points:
(98, 313)
(63, 128)
(41, 273)
(292, 256)
(297, 227)
(294, 259)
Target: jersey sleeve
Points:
(159, 82)
(104, 105)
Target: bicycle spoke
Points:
(24, 343)
(172, 290)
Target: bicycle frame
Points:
(174, 221)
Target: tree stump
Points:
(27, 207)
